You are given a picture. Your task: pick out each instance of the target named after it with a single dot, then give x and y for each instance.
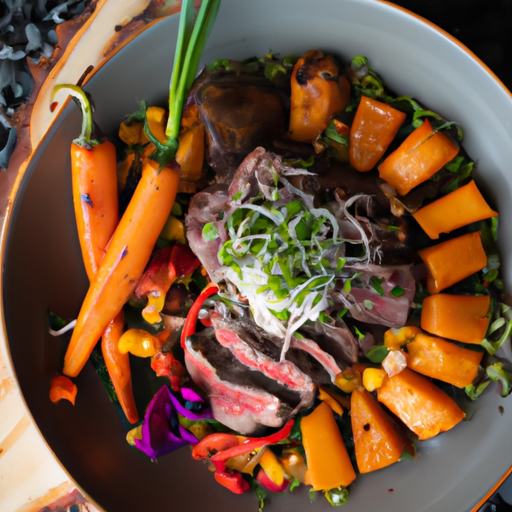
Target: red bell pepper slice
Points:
(184, 260)
(219, 448)
(189, 327)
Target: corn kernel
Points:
(138, 342)
(373, 378)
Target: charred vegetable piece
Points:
(373, 129)
(328, 462)
(420, 404)
(459, 208)
(378, 440)
(457, 317)
(419, 157)
(451, 261)
(319, 90)
(239, 114)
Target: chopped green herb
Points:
(210, 231)
(377, 354)
(377, 284)
(360, 335)
(397, 291)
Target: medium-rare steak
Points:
(241, 398)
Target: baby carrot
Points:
(118, 367)
(134, 238)
(127, 255)
(419, 157)
(457, 317)
(95, 200)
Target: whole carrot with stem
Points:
(96, 205)
(132, 243)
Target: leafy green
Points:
(474, 392)
(497, 373)
(336, 497)
(377, 285)
(397, 291)
(377, 354)
(56, 322)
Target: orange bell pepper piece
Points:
(418, 158)
(318, 91)
(459, 208)
(451, 261)
(190, 154)
(420, 404)
(377, 440)
(442, 360)
(373, 129)
(457, 317)
(328, 462)
(62, 387)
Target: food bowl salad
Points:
(316, 271)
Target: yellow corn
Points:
(173, 230)
(138, 342)
(373, 378)
(272, 468)
(348, 380)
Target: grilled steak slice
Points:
(256, 348)
(241, 398)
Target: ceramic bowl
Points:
(42, 266)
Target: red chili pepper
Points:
(219, 447)
(251, 443)
(232, 480)
(190, 323)
(166, 365)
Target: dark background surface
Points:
(484, 26)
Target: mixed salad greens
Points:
(304, 276)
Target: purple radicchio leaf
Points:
(161, 431)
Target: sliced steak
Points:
(261, 351)
(241, 398)
(335, 340)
